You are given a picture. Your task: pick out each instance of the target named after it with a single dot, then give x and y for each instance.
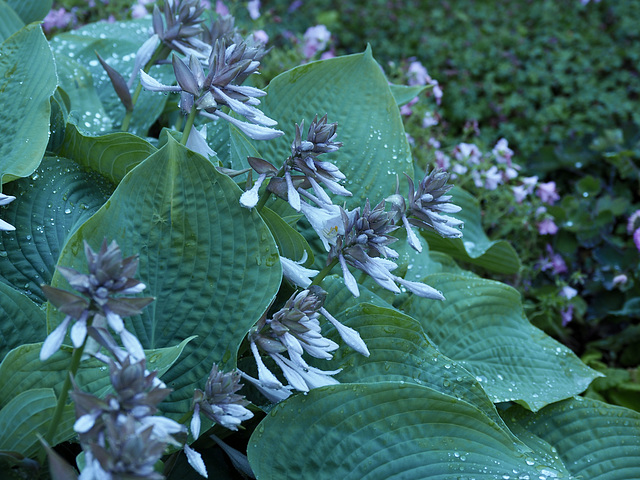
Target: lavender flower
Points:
(109, 275)
(219, 402)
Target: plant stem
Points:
(263, 200)
(189, 125)
(161, 52)
(62, 399)
(324, 272)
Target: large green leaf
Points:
(21, 320)
(60, 106)
(290, 243)
(22, 370)
(482, 325)
(596, 441)
(117, 43)
(390, 430)
(112, 156)
(10, 22)
(29, 414)
(474, 246)
(27, 80)
(49, 206)
(400, 351)
(86, 107)
(212, 265)
(375, 146)
(32, 10)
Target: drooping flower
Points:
(109, 275)
(5, 200)
(219, 401)
(297, 274)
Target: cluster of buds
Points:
(295, 330)
(311, 172)
(121, 434)
(219, 402)
(228, 67)
(110, 276)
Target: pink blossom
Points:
(261, 36)
(437, 91)
(459, 169)
(502, 152)
(631, 222)
(553, 262)
(57, 19)
(328, 54)
(138, 11)
(567, 315)
(547, 227)
(636, 238)
(620, 279)
(493, 178)
(417, 74)
(254, 9)
(406, 108)
(442, 160)
(468, 152)
(530, 183)
(433, 142)
(429, 120)
(568, 292)
(547, 192)
(315, 40)
(221, 8)
(519, 193)
(477, 179)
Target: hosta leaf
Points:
(10, 22)
(389, 430)
(49, 206)
(290, 243)
(403, 94)
(21, 320)
(400, 351)
(231, 145)
(112, 156)
(31, 11)
(27, 80)
(22, 370)
(474, 246)
(117, 43)
(482, 325)
(339, 298)
(211, 264)
(27, 415)
(86, 107)
(595, 440)
(375, 146)
(60, 106)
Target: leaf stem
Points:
(62, 399)
(189, 125)
(324, 272)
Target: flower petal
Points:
(195, 460)
(53, 342)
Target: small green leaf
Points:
(112, 155)
(482, 326)
(290, 243)
(474, 247)
(403, 94)
(595, 440)
(27, 80)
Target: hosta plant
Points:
(303, 313)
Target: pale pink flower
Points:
(221, 8)
(547, 227)
(406, 108)
(442, 160)
(429, 120)
(553, 262)
(433, 142)
(636, 238)
(417, 74)
(138, 11)
(568, 292)
(468, 152)
(567, 315)
(315, 40)
(57, 19)
(328, 54)
(519, 193)
(254, 9)
(261, 36)
(492, 178)
(620, 279)
(547, 192)
(502, 152)
(631, 222)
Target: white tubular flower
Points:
(5, 200)
(274, 395)
(326, 221)
(348, 334)
(195, 460)
(249, 199)
(295, 273)
(197, 142)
